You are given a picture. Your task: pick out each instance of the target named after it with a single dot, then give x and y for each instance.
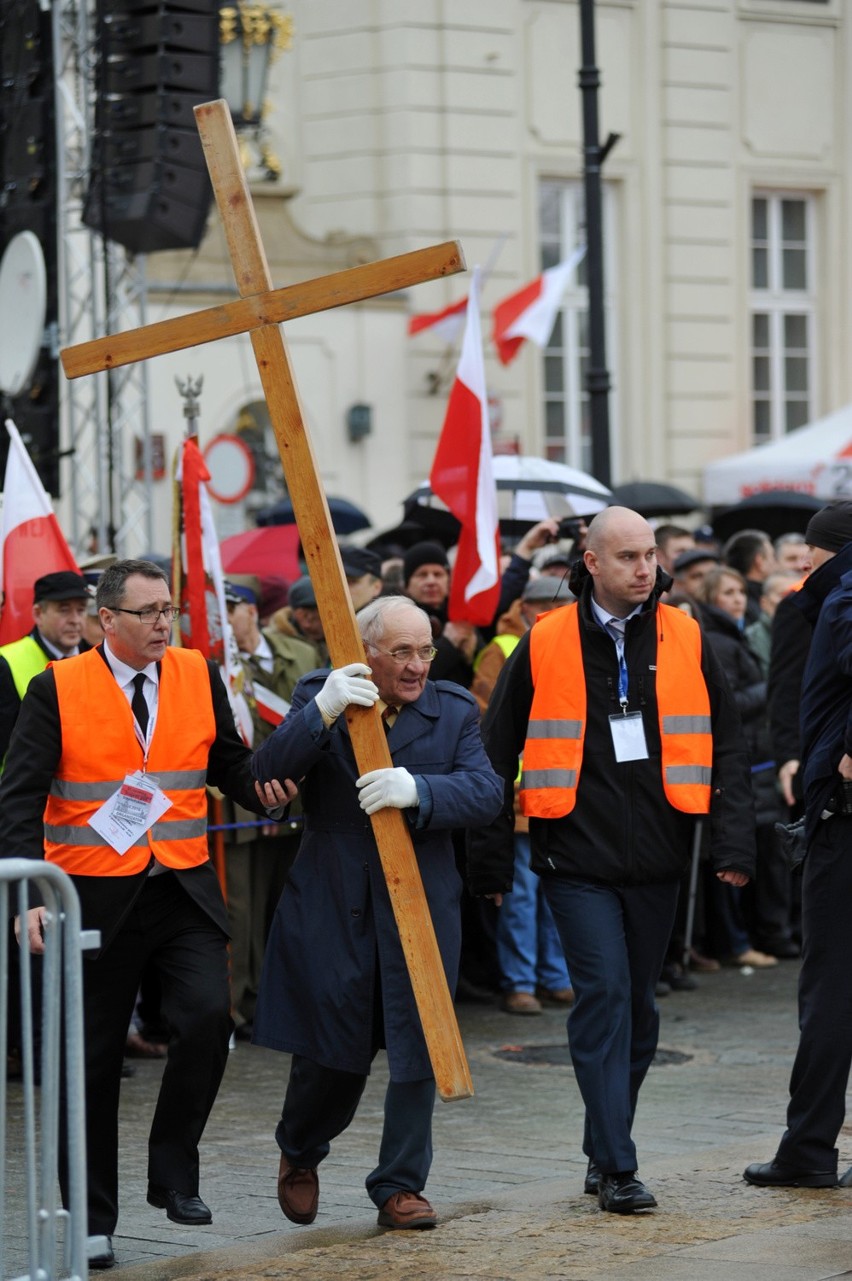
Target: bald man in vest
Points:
(106, 776)
(629, 734)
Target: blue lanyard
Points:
(622, 666)
(622, 675)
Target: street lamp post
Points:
(594, 154)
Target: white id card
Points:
(628, 736)
(131, 811)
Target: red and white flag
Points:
(271, 707)
(463, 477)
(532, 311)
(446, 324)
(32, 542)
(201, 586)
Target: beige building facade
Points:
(401, 124)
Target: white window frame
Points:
(776, 302)
(574, 444)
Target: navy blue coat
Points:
(826, 707)
(334, 924)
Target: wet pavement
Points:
(508, 1172)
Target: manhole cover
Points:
(560, 1054)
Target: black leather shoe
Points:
(179, 1207)
(774, 1174)
(623, 1193)
(592, 1183)
(846, 1180)
(106, 1258)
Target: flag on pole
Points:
(446, 324)
(32, 542)
(463, 477)
(200, 582)
(531, 312)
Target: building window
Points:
(567, 418)
(783, 314)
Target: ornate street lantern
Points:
(252, 36)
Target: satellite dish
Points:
(23, 310)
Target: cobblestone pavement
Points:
(507, 1177)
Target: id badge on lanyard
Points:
(626, 728)
(131, 811)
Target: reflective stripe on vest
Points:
(92, 767)
(683, 707)
(553, 752)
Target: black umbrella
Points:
(775, 511)
(654, 498)
(345, 516)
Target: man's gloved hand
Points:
(391, 788)
(345, 685)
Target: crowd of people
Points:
(634, 680)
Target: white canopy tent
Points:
(815, 460)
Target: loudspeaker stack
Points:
(149, 188)
(28, 203)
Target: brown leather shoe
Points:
(298, 1192)
(559, 996)
(520, 1003)
(407, 1210)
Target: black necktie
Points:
(138, 703)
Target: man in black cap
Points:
(807, 1155)
(363, 570)
(828, 532)
(301, 618)
(59, 613)
(689, 570)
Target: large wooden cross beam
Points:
(259, 312)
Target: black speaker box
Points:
(148, 188)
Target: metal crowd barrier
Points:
(35, 1213)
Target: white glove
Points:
(345, 685)
(384, 788)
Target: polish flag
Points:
(32, 542)
(463, 477)
(271, 707)
(532, 311)
(446, 324)
(200, 583)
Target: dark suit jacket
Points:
(34, 754)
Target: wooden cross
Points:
(259, 312)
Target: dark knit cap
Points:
(830, 528)
(358, 561)
(423, 554)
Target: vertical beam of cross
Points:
(251, 270)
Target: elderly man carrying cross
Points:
(335, 987)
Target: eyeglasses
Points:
(405, 654)
(150, 616)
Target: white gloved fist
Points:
(345, 685)
(391, 788)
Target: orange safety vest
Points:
(553, 752)
(96, 757)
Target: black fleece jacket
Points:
(622, 830)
